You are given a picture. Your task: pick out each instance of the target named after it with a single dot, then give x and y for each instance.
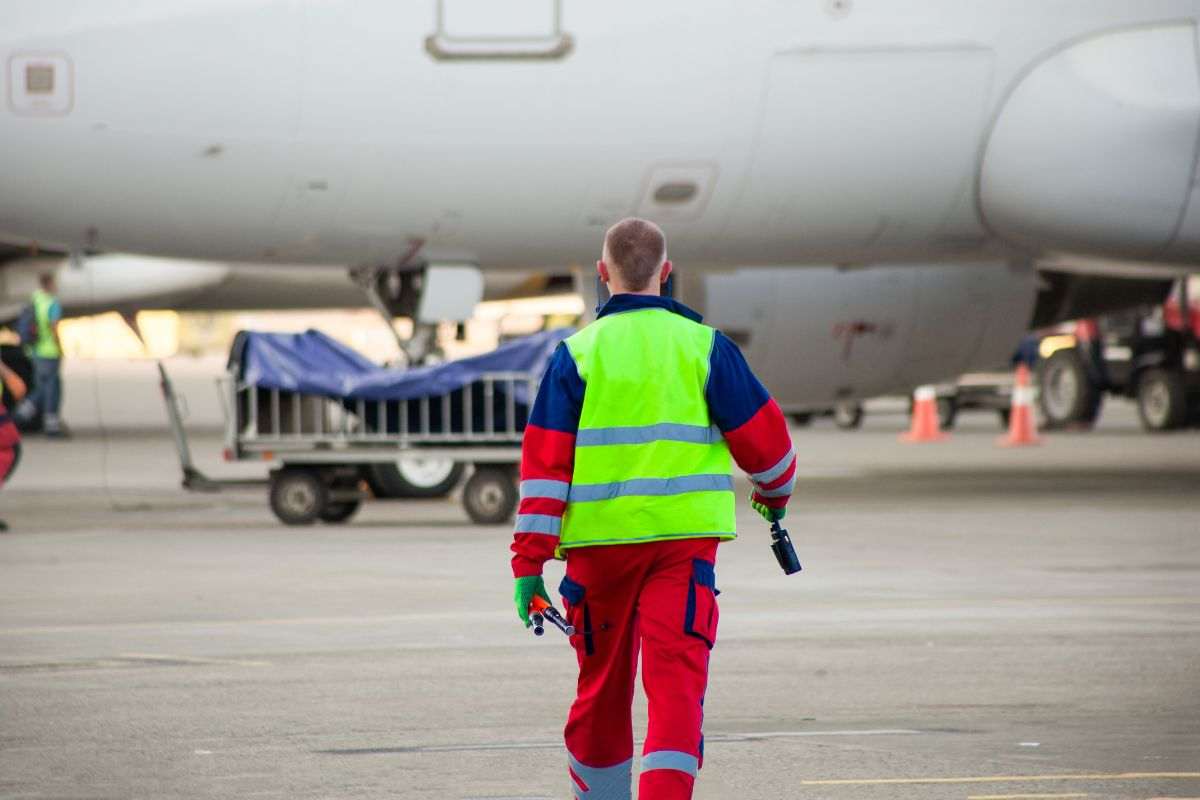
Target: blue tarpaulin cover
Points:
(313, 363)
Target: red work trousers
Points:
(659, 598)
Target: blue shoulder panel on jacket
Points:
(734, 394)
(560, 397)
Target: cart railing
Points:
(484, 412)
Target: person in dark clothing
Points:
(10, 438)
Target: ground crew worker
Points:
(46, 397)
(625, 472)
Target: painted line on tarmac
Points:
(422, 616)
(1098, 776)
(750, 737)
(557, 744)
(1024, 796)
(128, 660)
(165, 658)
(448, 616)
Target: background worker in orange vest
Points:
(626, 472)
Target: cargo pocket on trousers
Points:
(577, 612)
(701, 616)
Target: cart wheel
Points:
(1066, 394)
(416, 477)
(490, 495)
(298, 497)
(334, 513)
(802, 419)
(1162, 400)
(848, 416)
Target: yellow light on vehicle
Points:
(1052, 343)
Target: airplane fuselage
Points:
(758, 133)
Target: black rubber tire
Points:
(1005, 414)
(802, 420)
(335, 513)
(388, 482)
(298, 496)
(848, 416)
(947, 410)
(1162, 400)
(490, 496)
(1066, 394)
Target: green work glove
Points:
(768, 513)
(523, 593)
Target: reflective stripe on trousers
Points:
(601, 783)
(671, 759)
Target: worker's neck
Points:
(647, 292)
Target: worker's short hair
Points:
(46, 279)
(637, 248)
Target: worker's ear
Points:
(666, 272)
(602, 270)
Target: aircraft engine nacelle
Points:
(816, 335)
(1094, 151)
(108, 282)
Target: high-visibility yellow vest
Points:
(649, 463)
(45, 345)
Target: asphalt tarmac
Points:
(971, 622)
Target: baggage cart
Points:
(319, 445)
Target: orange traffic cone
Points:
(925, 426)
(1021, 427)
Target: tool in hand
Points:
(540, 611)
(785, 553)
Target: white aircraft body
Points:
(929, 155)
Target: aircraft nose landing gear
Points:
(427, 294)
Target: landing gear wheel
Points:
(415, 477)
(1162, 400)
(335, 513)
(1066, 395)
(490, 495)
(848, 416)
(298, 496)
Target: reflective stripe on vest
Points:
(649, 463)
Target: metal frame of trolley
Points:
(322, 444)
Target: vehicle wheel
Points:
(490, 495)
(802, 420)
(334, 513)
(298, 497)
(1066, 395)
(1162, 400)
(414, 477)
(848, 416)
(1005, 415)
(947, 411)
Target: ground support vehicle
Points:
(1149, 355)
(972, 392)
(976, 391)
